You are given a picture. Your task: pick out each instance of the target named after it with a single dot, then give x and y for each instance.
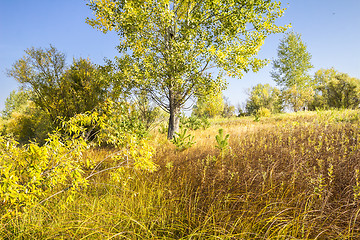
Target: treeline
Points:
(330, 90)
(53, 92)
(296, 89)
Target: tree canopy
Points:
(264, 96)
(291, 71)
(14, 102)
(168, 46)
(59, 90)
(336, 90)
(210, 105)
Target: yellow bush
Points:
(263, 112)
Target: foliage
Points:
(31, 124)
(56, 89)
(163, 128)
(194, 122)
(168, 47)
(264, 96)
(256, 118)
(291, 71)
(31, 173)
(114, 123)
(15, 102)
(343, 92)
(263, 112)
(241, 109)
(335, 90)
(221, 140)
(209, 106)
(148, 113)
(299, 98)
(182, 140)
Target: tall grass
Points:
(290, 176)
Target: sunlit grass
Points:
(288, 176)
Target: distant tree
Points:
(321, 78)
(240, 109)
(24, 120)
(41, 71)
(83, 88)
(228, 110)
(336, 90)
(298, 97)
(210, 105)
(168, 47)
(343, 92)
(56, 89)
(15, 102)
(264, 96)
(149, 113)
(291, 71)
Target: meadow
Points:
(288, 176)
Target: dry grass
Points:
(290, 176)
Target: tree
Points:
(336, 90)
(210, 105)
(298, 97)
(23, 120)
(15, 102)
(343, 91)
(228, 110)
(149, 113)
(264, 96)
(321, 78)
(291, 71)
(168, 46)
(58, 90)
(83, 88)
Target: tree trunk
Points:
(173, 121)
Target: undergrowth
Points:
(290, 176)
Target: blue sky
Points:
(330, 28)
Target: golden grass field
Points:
(288, 176)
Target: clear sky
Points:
(330, 28)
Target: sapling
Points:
(221, 140)
(183, 141)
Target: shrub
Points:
(112, 124)
(221, 140)
(263, 112)
(28, 124)
(32, 172)
(183, 141)
(194, 122)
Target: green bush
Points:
(31, 172)
(183, 141)
(28, 124)
(194, 122)
(222, 141)
(263, 112)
